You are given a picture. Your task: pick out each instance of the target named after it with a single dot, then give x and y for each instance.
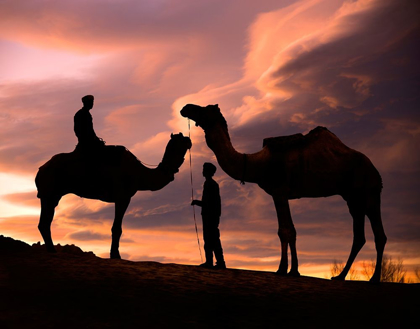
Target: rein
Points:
(192, 193)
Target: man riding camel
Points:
(83, 128)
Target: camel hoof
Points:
(115, 255)
(374, 280)
(281, 272)
(293, 274)
(337, 278)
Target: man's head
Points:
(209, 169)
(88, 101)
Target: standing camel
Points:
(292, 167)
(114, 175)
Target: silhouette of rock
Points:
(9, 245)
(67, 249)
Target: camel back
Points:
(111, 155)
(64, 169)
(283, 143)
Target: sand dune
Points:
(76, 289)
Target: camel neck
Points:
(239, 166)
(152, 179)
(163, 174)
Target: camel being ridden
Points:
(292, 167)
(112, 174)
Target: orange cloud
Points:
(27, 199)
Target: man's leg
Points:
(208, 248)
(218, 251)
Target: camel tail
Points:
(372, 177)
(378, 182)
(38, 182)
(382, 182)
(43, 179)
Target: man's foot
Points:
(206, 265)
(339, 277)
(220, 265)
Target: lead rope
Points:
(192, 193)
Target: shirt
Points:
(83, 126)
(211, 203)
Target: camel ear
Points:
(172, 135)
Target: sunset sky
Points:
(275, 67)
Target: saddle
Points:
(110, 155)
(282, 143)
(113, 154)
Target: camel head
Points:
(175, 152)
(205, 117)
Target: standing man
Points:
(210, 212)
(83, 128)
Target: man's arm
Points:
(197, 203)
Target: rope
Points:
(192, 193)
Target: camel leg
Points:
(374, 214)
(287, 235)
(294, 267)
(45, 220)
(120, 208)
(357, 211)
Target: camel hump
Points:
(115, 150)
(283, 142)
(318, 131)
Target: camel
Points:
(301, 166)
(113, 175)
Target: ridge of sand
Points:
(73, 289)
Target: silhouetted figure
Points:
(83, 128)
(210, 212)
(292, 167)
(112, 181)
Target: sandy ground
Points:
(75, 289)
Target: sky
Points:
(275, 67)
